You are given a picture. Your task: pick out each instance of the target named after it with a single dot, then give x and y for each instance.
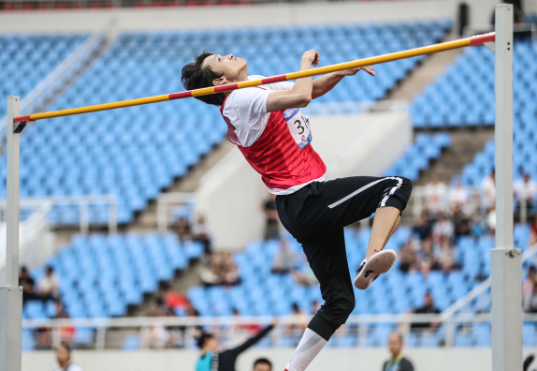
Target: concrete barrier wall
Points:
(243, 16)
(370, 359)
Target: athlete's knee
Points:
(341, 309)
(347, 306)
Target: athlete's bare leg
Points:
(384, 225)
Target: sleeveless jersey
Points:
(283, 154)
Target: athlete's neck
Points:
(243, 76)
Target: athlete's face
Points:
(232, 68)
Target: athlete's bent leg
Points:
(387, 217)
(328, 260)
(384, 224)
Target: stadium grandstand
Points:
(143, 229)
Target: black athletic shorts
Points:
(316, 215)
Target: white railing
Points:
(43, 93)
(111, 332)
(46, 205)
(164, 202)
(474, 200)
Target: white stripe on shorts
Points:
(392, 191)
(359, 190)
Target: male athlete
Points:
(274, 136)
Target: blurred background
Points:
(143, 227)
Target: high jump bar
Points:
(449, 45)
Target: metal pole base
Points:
(10, 328)
(506, 308)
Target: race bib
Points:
(299, 126)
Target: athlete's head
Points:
(210, 69)
(395, 344)
(262, 364)
(208, 342)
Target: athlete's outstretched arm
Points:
(325, 83)
(301, 94)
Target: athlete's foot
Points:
(371, 268)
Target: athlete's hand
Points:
(312, 57)
(353, 71)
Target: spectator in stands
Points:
(173, 299)
(443, 228)
(272, 224)
(200, 233)
(27, 283)
(435, 192)
(182, 229)
(210, 271)
(300, 319)
(491, 220)
(445, 256)
(49, 286)
(533, 231)
(407, 257)
(229, 273)
(304, 275)
(314, 306)
(525, 191)
(63, 357)
(478, 227)
(397, 361)
(262, 364)
(209, 346)
(156, 336)
(284, 261)
(426, 258)
(530, 302)
(488, 186)
(458, 195)
(428, 308)
(461, 223)
(424, 229)
(529, 282)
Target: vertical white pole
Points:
(12, 225)
(11, 295)
(506, 291)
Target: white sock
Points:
(310, 345)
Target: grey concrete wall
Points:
(243, 16)
(364, 359)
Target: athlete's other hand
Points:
(353, 71)
(312, 57)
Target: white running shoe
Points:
(371, 268)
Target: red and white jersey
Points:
(276, 144)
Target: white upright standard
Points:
(11, 294)
(506, 263)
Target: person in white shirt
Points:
(443, 229)
(63, 356)
(49, 286)
(458, 195)
(525, 190)
(488, 186)
(435, 191)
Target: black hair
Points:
(196, 76)
(66, 346)
(263, 360)
(203, 338)
(532, 268)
